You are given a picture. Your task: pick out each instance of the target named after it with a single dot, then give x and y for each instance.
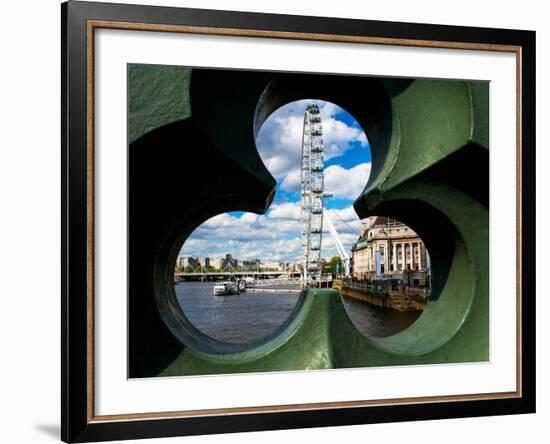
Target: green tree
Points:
(335, 262)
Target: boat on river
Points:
(226, 288)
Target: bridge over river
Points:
(226, 275)
(259, 278)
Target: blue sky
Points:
(276, 235)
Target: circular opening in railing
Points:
(233, 281)
(239, 275)
(387, 284)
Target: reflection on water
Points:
(376, 321)
(248, 317)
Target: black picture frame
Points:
(77, 421)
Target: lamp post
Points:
(389, 255)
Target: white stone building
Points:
(400, 251)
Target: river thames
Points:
(248, 317)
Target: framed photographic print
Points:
(277, 221)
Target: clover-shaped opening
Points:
(247, 184)
(238, 276)
(196, 160)
(235, 280)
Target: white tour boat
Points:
(225, 288)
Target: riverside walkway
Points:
(384, 294)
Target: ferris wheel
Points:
(312, 193)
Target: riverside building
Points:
(389, 249)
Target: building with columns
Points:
(388, 248)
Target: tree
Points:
(334, 263)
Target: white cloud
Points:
(343, 183)
(279, 140)
(287, 210)
(279, 143)
(328, 110)
(347, 183)
(338, 137)
(275, 236)
(292, 181)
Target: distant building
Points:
(204, 262)
(216, 263)
(292, 267)
(272, 266)
(186, 261)
(229, 262)
(248, 265)
(388, 248)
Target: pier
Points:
(273, 282)
(272, 290)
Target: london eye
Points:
(312, 193)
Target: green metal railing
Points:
(423, 134)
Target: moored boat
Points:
(225, 288)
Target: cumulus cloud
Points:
(287, 210)
(249, 236)
(291, 182)
(328, 110)
(347, 183)
(279, 143)
(279, 140)
(338, 137)
(274, 236)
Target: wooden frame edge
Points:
(302, 407)
(90, 208)
(337, 38)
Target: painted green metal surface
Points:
(432, 157)
(157, 95)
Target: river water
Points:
(248, 317)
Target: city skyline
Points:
(227, 262)
(275, 236)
